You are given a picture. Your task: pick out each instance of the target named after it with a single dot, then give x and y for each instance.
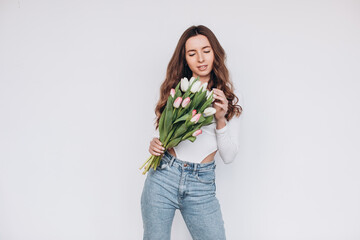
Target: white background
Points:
(79, 81)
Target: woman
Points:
(185, 178)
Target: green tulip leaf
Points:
(189, 134)
(174, 142)
(168, 116)
(183, 118)
(180, 130)
(208, 120)
(201, 119)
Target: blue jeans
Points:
(189, 187)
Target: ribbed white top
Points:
(225, 140)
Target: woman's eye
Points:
(206, 51)
(191, 55)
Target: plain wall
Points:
(79, 81)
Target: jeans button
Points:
(185, 165)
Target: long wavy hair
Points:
(178, 68)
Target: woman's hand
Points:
(156, 147)
(220, 104)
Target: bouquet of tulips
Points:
(188, 108)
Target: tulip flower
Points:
(177, 123)
(193, 112)
(185, 102)
(191, 80)
(203, 87)
(209, 111)
(195, 118)
(209, 93)
(177, 102)
(172, 92)
(184, 84)
(197, 132)
(195, 87)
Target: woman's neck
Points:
(203, 79)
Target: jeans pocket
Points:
(163, 165)
(206, 176)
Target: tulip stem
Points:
(146, 162)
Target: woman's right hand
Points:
(156, 147)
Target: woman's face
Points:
(199, 57)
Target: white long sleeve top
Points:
(225, 140)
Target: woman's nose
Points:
(200, 58)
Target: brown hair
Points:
(219, 77)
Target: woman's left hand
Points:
(220, 104)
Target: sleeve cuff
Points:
(222, 130)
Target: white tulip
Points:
(191, 80)
(203, 87)
(195, 87)
(209, 111)
(209, 93)
(184, 84)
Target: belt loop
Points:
(171, 161)
(195, 166)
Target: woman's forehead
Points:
(197, 42)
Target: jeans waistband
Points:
(188, 165)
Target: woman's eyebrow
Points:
(195, 50)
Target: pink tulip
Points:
(197, 132)
(177, 102)
(193, 112)
(172, 92)
(185, 102)
(195, 118)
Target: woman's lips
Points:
(202, 67)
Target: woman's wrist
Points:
(220, 123)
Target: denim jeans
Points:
(189, 187)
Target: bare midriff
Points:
(209, 158)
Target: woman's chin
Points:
(202, 74)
